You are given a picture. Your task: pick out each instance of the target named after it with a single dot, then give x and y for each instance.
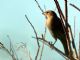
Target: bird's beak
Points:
(44, 13)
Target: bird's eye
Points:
(47, 12)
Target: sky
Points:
(14, 24)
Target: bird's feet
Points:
(51, 43)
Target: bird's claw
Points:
(51, 43)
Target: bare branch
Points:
(36, 37)
(30, 56)
(73, 42)
(64, 21)
(37, 53)
(10, 43)
(33, 29)
(53, 47)
(79, 46)
(45, 33)
(59, 10)
(42, 51)
(42, 47)
(66, 13)
(39, 6)
(75, 7)
(12, 51)
(67, 30)
(4, 48)
(74, 26)
(60, 14)
(1, 45)
(7, 51)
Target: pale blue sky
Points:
(14, 23)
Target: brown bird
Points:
(54, 25)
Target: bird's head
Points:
(49, 13)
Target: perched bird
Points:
(54, 25)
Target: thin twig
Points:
(79, 46)
(66, 13)
(43, 36)
(30, 56)
(74, 27)
(39, 6)
(60, 14)
(53, 47)
(7, 51)
(37, 53)
(67, 33)
(42, 51)
(67, 30)
(75, 7)
(36, 38)
(14, 55)
(42, 47)
(45, 32)
(10, 43)
(59, 10)
(33, 29)
(73, 42)
(3, 47)
(64, 21)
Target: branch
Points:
(33, 29)
(53, 47)
(67, 33)
(60, 14)
(36, 37)
(79, 46)
(39, 6)
(64, 21)
(74, 26)
(59, 10)
(42, 51)
(12, 51)
(73, 42)
(66, 13)
(42, 47)
(75, 7)
(3, 47)
(67, 30)
(30, 56)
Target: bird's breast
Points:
(49, 23)
(50, 26)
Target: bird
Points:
(55, 27)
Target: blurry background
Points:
(14, 24)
